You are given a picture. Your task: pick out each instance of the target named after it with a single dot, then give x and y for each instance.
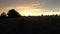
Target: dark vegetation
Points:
(12, 13)
(14, 23)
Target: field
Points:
(31, 25)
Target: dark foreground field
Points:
(30, 25)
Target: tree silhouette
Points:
(12, 14)
(3, 15)
(56, 15)
(42, 15)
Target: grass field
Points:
(30, 25)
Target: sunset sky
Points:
(31, 7)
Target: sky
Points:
(31, 7)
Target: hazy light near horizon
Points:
(31, 11)
(31, 7)
(34, 9)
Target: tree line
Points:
(11, 14)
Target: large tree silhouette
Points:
(13, 13)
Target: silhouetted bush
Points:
(12, 14)
(42, 15)
(3, 15)
(56, 15)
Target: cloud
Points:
(45, 5)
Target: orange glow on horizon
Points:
(31, 11)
